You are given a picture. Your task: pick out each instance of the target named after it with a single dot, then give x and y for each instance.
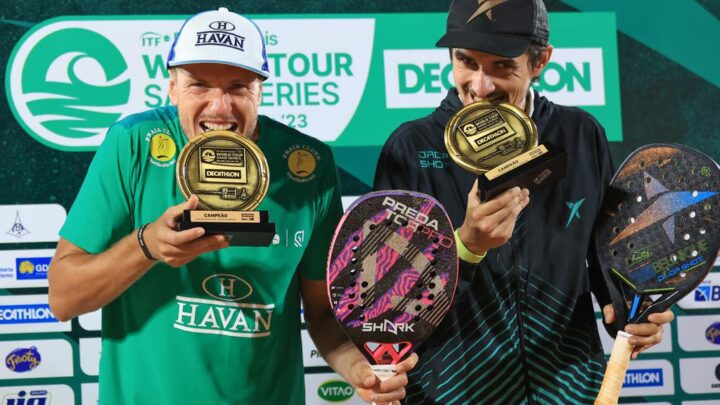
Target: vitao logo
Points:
(420, 78)
(335, 391)
(69, 79)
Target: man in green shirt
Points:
(187, 319)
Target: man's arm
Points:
(342, 355)
(82, 282)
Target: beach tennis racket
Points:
(657, 238)
(392, 274)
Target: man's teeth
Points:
(211, 126)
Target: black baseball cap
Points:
(500, 27)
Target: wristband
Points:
(464, 254)
(142, 243)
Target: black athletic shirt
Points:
(522, 328)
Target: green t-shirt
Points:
(225, 328)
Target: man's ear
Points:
(542, 61)
(172, 89)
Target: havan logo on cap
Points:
(221, 38)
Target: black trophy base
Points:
(243, 228)
(536, 168)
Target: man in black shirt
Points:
(522, 327)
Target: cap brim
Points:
(501, 45)
(263, 74)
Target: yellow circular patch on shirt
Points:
(301, 163)
(162, 147)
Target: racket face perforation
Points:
(658, 229)
(392, 271)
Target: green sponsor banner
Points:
(69, 78)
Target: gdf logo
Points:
(67, 85)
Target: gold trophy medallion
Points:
(225, 171)
(230, 176)
(485, 134)
(499, 142)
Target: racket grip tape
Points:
(615, 372)
(384, 371)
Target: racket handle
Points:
(384, 371)
(615, 372)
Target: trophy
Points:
(230, 176)
(499, 142)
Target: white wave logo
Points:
(67, 85)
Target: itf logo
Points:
(32, 268)
(34, 397)
(651, 377)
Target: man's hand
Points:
(372, 389)
(644, 335)
(179, 247)
(490, 224)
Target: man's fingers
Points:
(506, 215)
(407, 364)
(173, 213)
(387, 397)
(498, 203)
(394, 383)
(191, 203)
(178, 238)
(608, 314)
(206, 244)
(644, 334)
(662, 317)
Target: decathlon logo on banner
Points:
(28, 314)
(648, 377)
(70, 78)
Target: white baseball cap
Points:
(220, 37)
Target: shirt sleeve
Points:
(600, 283)
(314, 261)
(100, 214)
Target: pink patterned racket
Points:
(392, 274)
